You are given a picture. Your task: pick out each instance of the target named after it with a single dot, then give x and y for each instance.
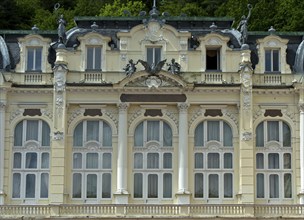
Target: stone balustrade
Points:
(151, 211)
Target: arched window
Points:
(152, 161)
(31, 160)
(273, 160)
(92, 160)
(213, 160)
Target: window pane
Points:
(44, 185)
(199, 161)
(260, 135)
(92, 161)
(16, 185)
(30, 186)
(77, 180)
(268, 60)
(260, 185)
(32, 130)
(30, 58)
(287, 185)
(97, 58)
(150, 56)
(138, 136)
(92, 130)
(38, 58)
(107, 135)
(45, 160)
(90, 58)
(167, 135)
(287, 161)
(227, 135)
(167, 185)
(286, 135)
(138, 161)
(228, 160)
(31, 160)
(152, 160)
(138, 185)
(275, 57)
(199, 135)
(106, 185)
(199, 185)
(260, 161)
(91, 186)
(273, 186)
(157, 55)
(78, 135)
(273, 161)
(45, 134)
(273, 130)
(167, 161)
(213, 160)
(213, 186)
(228, 185)
(152, 186)
(213, 130)
(17, 160)
(153, 131)
(18, 134)
(77, 161)
(107, 161)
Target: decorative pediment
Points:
(163, 79)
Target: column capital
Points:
(2, 105)
(123, 106)
(301, 107)
(183, 106)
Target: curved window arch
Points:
(92, 161)
(153, 161)
(273, 160)
(31, 160)
(213, 160)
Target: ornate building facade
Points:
(151, 117)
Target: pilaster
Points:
(301, 193)
(246, 148)
(121, 195)
(57, 190)
(2, 146)
(183, 194)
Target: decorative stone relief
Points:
(246, 100)
(154, 32)
(183, 57)
(183, 107)
(47, 113)
(138, 112)
(111, 114)
(2, 105)
(301, 107)
(75, 114)
(123, 106)
(197, 113)
(257, 113)
(231, 115)
(58, 135)
(272, 43)
(15, 114)
(94, 41)
(246, 136)
(59, 82)
(172, 116)
(289, 114)
(153, 81)
(214, 41)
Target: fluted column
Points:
(183, 191)
(301, 194)
(121, 192)
(2, 131)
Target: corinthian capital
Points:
(183, 107)
(301, 107)
(123, 106)
(2, 105)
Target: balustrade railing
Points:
(150, 210)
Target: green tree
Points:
(119, 7)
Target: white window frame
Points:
(31, 146)
(155, 147)
(37, 66)
(213, 146)
(154, 48)
(96, 147)
(274, 147)
(271, 50)
(94, 57)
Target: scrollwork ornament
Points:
(2, 105)
(246, 136)
(301, 107)
(183, 107)
(58, 135)
(123, 106)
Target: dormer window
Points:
(34, 58)
(94, 58)
(272, 60)
(153, 55)
(213, 57)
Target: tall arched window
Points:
(213, 160)
(31, 160)
(152, 161)
(92, 160)
(273, 160)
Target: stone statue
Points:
(174, 67)
(153, 69)
(61, 29)
(130, 68)
(243, 25)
